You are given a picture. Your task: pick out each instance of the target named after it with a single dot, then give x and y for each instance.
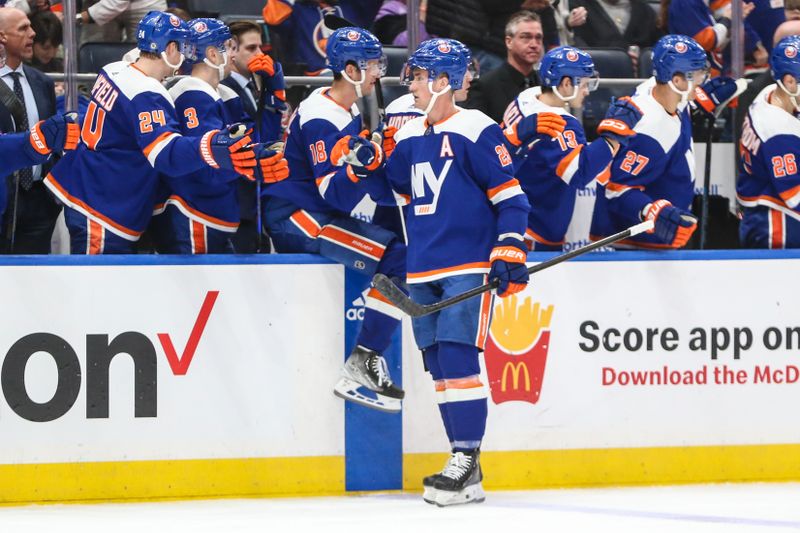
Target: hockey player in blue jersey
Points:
(466, 219)
(201, 211)
(555, 167)
(130, 134)
(652, 178)
(310, 211)
(769, 182)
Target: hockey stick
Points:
(393, 293)
(262, 90)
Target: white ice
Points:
(697, 508)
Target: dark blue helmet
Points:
(567, 62)
(205, 32)
(437, 57)
(785, 58)
(356, 45)
(677, 54)
(158, 29)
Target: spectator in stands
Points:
(114, 21)
(616, 23)
(26, 97)
(249, 41)
(567, 20)
(547, 17)
(390, 26)
(767, 15)
(46, 42)
(302, 34)
(496, 89)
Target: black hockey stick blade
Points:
(393, 293)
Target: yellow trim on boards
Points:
(539, 469)
(179, 479)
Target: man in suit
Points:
(524, 43)
(248, 36)
(31, 211)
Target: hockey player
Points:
(310, 211)
(202, 209)
(652, 178)
(129, 135)
(769, 183)
(553, 171)
(466, 219)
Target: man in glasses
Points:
(552, 168)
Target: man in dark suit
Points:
(248, 37)
(31, 211)
(524, 43)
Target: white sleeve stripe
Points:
(510, 235)
(153, 155)
(505, 194)
(571, 169)
(323, 185)
(722, 35)
(794, 200)
(465, 395)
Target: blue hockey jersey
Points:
(130, 134)
(658, 163)
(554, 169)
(770, 153)
(402, 110)
(457, 176)
(12, 146)
(319, 122)
(209, 195)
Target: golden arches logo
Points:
(516, 369)
(517, 326)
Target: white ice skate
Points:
(460, 481)
(366, 369)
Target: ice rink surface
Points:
(696, 508)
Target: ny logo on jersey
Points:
(422, 174)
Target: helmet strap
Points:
(170, 65)
(575, 88)
(435, 95)
(356, 84)
(219, 68)
(683, 94)
(792, 96)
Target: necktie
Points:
(253, 92)
(26, 173)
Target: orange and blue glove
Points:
(716, 94)
(271, 73)
(54, 135)
(272, 165)
(673, 226)
(621, 117)
(507, 262)
(230, 149)
(539, 124)
(362, 156)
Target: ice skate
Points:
(366, 368)
(460, 481)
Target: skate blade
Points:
(347, 390)
(471, 494)
(429, 495)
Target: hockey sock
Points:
(465, 395)
(381, 318)
(431, 357)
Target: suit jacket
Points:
(492, 93)
(600, 30)
(247, 190)
(44, 94)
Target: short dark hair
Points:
(240, 27)
(47, 27)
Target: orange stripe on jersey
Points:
(707, 38)
(483, 321)
(539, 238)
(776, 229)
(201, 215)
(150, 147)
(764, 197)
(304, 221)
(635, 244)
(275, 12)
(788, 195)
(470, 382)
(718, 4)
(453, 269)
(566, 160)
(604, 176)
(198, 232)
(439, 385)
(78, 203)
(616, 187)
(353, 242)
(494, 191)
(95, 237)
